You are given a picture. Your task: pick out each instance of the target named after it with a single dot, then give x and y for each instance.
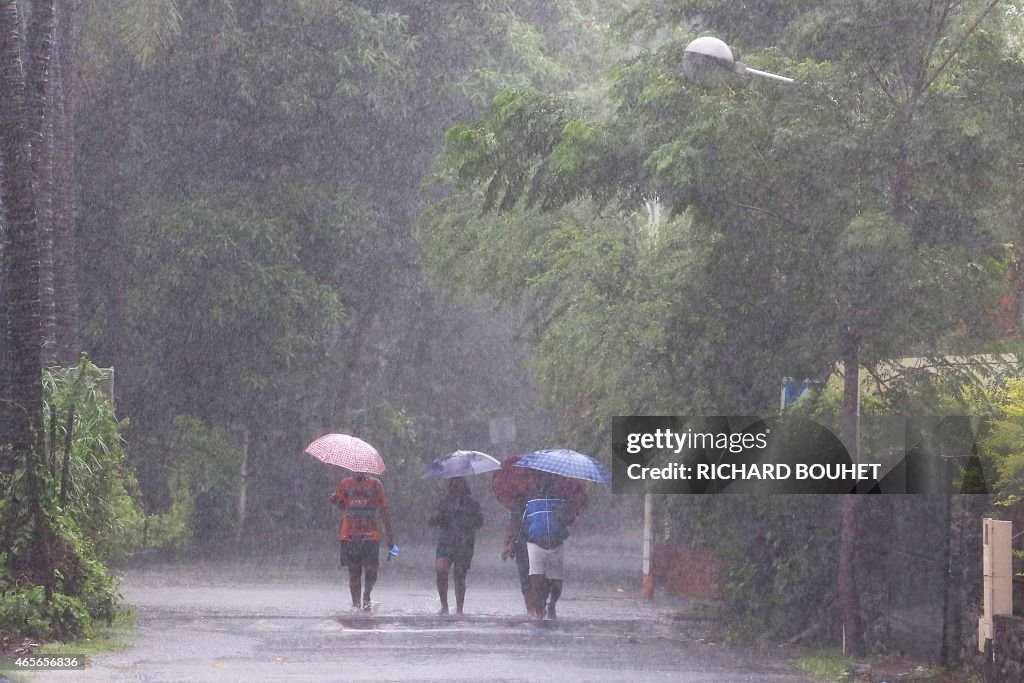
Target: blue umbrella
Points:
(461, 464)
(566, 463)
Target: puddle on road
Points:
(472, 626)
(429, 624)
(475, 626)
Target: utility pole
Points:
(239, 528)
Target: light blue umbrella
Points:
(566, 463)
(461, 464)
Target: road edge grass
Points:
(826, 664)
(103, 639)
(830, 664)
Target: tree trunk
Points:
(40, 122)
(104, 247)
(6, 366)
(16, 188)
(353, 381)
(65, 264)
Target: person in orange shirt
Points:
(362, 498)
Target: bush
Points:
(24, 612)
(102, 493)
(53, 580)
(27, 614)
(779, 551)
(82, 590)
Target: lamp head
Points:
(706, 60)
(712, 49)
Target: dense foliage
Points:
(805, 223)
(250, 176)
(1002, 445)
(66, 515)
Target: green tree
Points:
(827, 221)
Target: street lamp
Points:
(712, 52)
(703, 56)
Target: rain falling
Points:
(525, 341)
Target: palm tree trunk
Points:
(65, 275)
(6, 366)
(22, 251)
(40, 123)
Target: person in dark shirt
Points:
(458, 517)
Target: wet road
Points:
(290, 622)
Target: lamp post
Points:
(647, 589)
(706, 56)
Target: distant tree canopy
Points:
(250, 175)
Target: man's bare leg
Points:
(556, 592)
(537, 592)
(371, 578)
(355, 574)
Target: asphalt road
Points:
(288, 620)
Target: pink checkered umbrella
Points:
(348, 452)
